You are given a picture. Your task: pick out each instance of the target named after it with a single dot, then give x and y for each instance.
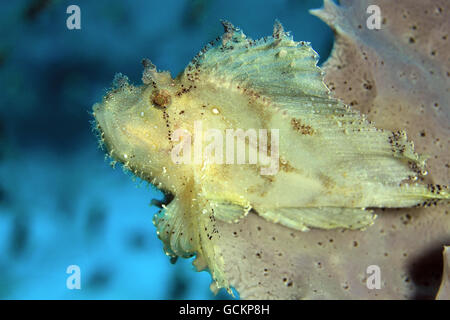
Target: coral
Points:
(398, 76)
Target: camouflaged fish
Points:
(331, 163)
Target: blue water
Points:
(60, 202)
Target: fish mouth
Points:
(115, 135)
(101, 128)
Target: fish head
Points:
(132, 124)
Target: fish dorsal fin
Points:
(272, 66)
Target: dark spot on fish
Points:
(302, 128)
(286, 166)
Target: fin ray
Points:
(175, 230)
(323, 217)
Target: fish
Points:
(249, 127)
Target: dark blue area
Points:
(60, 202)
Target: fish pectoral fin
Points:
(175, 229)
(320, 217)
(228, 211)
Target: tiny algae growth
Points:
(319, 163)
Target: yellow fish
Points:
(251, 126)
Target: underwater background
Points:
(61, 204)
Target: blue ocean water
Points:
(60, 202)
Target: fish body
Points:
(250, 126)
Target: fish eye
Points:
(160, 98)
